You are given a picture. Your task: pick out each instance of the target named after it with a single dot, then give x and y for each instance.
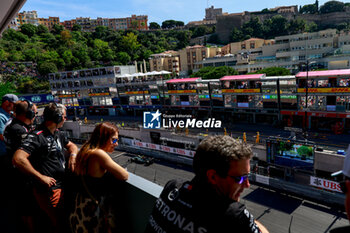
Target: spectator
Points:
(210, 202)
(41, 156)
(7, 105)
(92, 164)
(21, 197)
(345, 187)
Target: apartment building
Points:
(168, 60)
(118, 24)
(30, 17)
(191, 55)
(137, 22)
(324, 49)
(85, 23)
(49, 22)
(68, 24)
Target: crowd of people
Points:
(42, 167)
(19, 68)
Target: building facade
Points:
(168, 60)
(191, 56)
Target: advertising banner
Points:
(183, 152)
(325, 184)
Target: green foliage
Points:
(296, 26)
(7, 87)
(305, 151)
(47, 67)
(274, 71)
(332, 6)
(123, 58)
(154, 25)
(76, 28)
(309, 9)
(28, 29)
(211, 72)
(168, 24)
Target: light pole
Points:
(306, 96)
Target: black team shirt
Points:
(46, 153)
(196, 208)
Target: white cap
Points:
(346, 166)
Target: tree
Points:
(275, 26)
(123, 58)
(253, 27)
(7, 87)
(211, 72)
(236, 35)
(12, 35)
(129, 43)
(154, 25)
(47, 67)
(41, 29)
(309, 9)
(168, 24)
(57, 29)
(76, 28)
(296, 26)
(332, 6)
(274, 71)
(28, 29)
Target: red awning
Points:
(323, 73)
(183, 80)
(243, 77)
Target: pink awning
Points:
(324, 73)
(183, 80)
(242, 77)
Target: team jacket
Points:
(46, 153)
(195, 208)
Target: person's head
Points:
(8, 102)
(55, 113)
(224, 163)
(105, 136)
(25, 111)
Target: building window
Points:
(252, 45)
(242, 46)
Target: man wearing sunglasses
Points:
(209, 202)
(345, 187)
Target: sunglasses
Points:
(240, 179)
(115, 140)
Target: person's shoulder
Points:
(98, 153)
(237, 208)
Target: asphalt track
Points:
(279, 212)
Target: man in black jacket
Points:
(18, 187)
(210, 202)
(41, 156)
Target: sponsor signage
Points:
(181, 91)
(66, 96)
(325, 90)
(38, 99)
(183, 152)
(99, 94)
(203, 96)
(325, 184)
(282, 97)
(262, 179)
(241, 91)
(136, 92)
